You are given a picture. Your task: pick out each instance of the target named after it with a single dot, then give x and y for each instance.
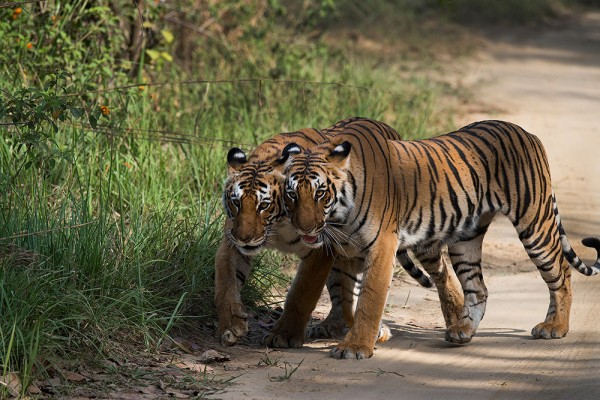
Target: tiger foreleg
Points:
(341, 285)
(231, 271)
(300, 301)
(359, 342)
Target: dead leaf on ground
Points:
(145, 390)
(115, 361)
(74, 376)
(34, 390)
(213, 355)
(179, 394)
(12, 382)
(134, 396)
(95, 377)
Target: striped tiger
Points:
(256, 219)
(422, 195)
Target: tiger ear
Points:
(290, 149)
(235, 159)
(340, 152)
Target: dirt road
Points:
(549, 83)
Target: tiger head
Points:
(253, 200)
(318, 191)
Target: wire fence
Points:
(177, 137)
(166, 136)
(258, 81)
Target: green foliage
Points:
(35, 114)
(80, 37)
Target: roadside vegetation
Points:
(116, 117)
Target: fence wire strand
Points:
(170, 136)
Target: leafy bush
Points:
(79, 37)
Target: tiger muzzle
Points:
(313, 236)
(248, 240)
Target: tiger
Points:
(423, 195)
(256, 219)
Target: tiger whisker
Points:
(330, 235)
(341, 235)
(327, 242)
(328, 247)
(334, 237)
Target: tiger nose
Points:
(315, 229)
(247, 232)
(245, 237)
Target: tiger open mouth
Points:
(312, 240)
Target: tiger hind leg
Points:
(542, 243)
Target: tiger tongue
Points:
(309, 239)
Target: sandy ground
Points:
(549, 83)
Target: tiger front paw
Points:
(328, 329)
(349, 351)
(233, 324)
(459, 333)
(545, 330)
(283, 339)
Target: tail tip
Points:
(591, 242)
